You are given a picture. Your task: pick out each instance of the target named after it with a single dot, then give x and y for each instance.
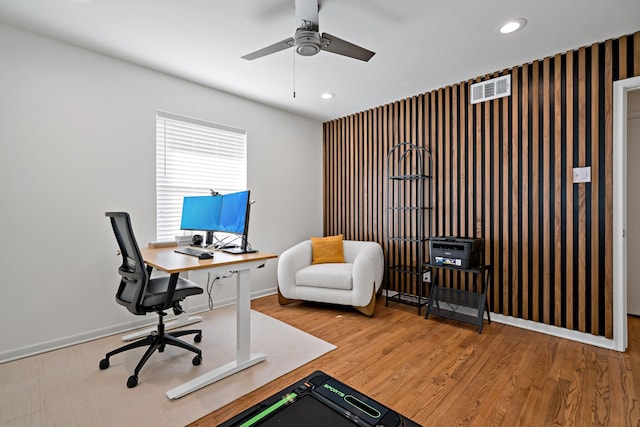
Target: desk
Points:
(165, 259)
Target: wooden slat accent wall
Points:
(503, 172)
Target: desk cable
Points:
(210, 284)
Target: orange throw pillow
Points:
(327, 249)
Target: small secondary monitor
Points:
(234, 218)
(233, 213)
(201, 213)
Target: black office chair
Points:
(141, 295)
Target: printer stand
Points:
(465, 306)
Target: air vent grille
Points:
(491, 89)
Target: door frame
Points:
(620, 90)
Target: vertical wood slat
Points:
(471, 181)
(622, 69)
(445, 138)
(465, 202)
(608, 177)
(557, 205)
(436, 112)
(545, 193)
(506, 211)
(503, 171)
(582, 238)
(514, 305)
(455, 143)
(524, 199)
(494, 213)
(569, 236)
(352, 180)
(535, 200)
(366, 178)
(595, 173)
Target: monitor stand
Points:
(239, 250)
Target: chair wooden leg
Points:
(370, 308)
(282, 300)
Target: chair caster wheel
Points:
(104, 364)
(197, 338)
(132, 381)
(197, 360)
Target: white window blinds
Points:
(193, 157)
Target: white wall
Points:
(77, 138)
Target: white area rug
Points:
(65, 387)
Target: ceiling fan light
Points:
(512, 26)
(307, 42)
(307, 49)
(327, 95)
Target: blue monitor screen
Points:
(201, 213)
(233, 213)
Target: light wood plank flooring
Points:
(443, 373)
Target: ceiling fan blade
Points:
(276, 47)
(334, 44)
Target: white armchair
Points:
(354, 282)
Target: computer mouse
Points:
(205, 255)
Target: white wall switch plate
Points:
(582, 174)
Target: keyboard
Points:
(192, 251)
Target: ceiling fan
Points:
(307, 39)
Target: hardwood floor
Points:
(443, 373)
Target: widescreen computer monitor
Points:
(200, 213)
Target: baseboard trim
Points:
(529, 325)
(555, 331)
(46, 346)
(43, 347)
(122, 328)
(542, 328)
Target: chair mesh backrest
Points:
(133, 269)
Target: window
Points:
(192, 158)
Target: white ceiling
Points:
(420, 45)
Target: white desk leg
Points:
(243, 316)
(244, 357)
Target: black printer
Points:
(461, 252)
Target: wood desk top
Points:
(166, 259)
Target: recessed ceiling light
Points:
(327, 95)
(512, 25)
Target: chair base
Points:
(368, 310)
(157, 341)
(282, 300)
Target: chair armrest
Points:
(368, 267)
(289, 262)
(171, 288)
